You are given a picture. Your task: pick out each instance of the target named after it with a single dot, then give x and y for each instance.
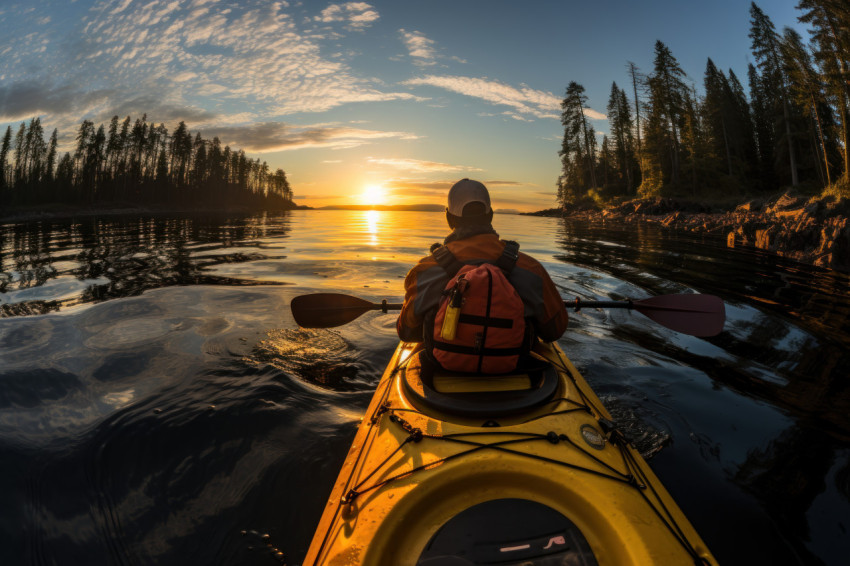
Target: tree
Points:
(766, 47)
(667, 97)
(806, 91)
(830, 31)
(577, 147)
(51, 161)
(637, 80)
(620, 121)
(4, 158)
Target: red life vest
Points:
(480, 325)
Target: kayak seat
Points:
(430, 387)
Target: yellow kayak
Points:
(525, 469)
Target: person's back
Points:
(474, 242)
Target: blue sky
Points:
(359, 101)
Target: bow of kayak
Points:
(524, 469)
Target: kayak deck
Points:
(413, 473)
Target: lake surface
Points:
(158, 404)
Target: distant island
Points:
(387, 207)
(401, 208)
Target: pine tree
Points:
(620, 121)
(766, 48)
(577, 147)
(637, 80)
(745, 129)
(830, 30)
(4, 158)
(667, 98)
(806, 91)
(20, 138)
(50, 172)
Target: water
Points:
(158, 405)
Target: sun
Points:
(373, 195)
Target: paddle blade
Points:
(326, 310)
(697, 315)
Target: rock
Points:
(763, 238)
(671, 219)
(788, 201)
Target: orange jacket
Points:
(425, 283)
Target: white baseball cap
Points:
(464, 192)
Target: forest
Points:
(666, 139)
(134, 162)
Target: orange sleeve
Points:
(409, 323)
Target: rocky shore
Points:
(810, 230)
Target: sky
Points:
(379, 102)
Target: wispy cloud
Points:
(524, 100)
(356, 15)
(420, 48)
(420, 166)
(276, 136)
(234, 57)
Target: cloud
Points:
(357, 15)
(419, 165)
(524, 100)
(420, 48)
(267, 137)
(206, 53)
(24, 99)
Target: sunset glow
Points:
(373, 195)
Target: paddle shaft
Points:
(578, 304)
(697, 315)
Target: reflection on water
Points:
(157, 399)
(48, 265)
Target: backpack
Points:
(479, 325)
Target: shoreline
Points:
(65, 212)
(812, 230)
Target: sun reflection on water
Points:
(372, 218)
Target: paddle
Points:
(697, 315)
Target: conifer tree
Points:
(4, 158)
(620, 121)
(577, 147)
(667, 97)
(745, 130)
(830, 31)
(51, 155)
(637, 80)
(806, 91)
(766, 47)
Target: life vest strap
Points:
(492, 322)
(450, 264)
(510, 254)
(473, 351)
(447, 260)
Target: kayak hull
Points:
(411, 470)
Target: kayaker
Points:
(473, 241)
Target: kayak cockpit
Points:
(471, 396)
(508, 532)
